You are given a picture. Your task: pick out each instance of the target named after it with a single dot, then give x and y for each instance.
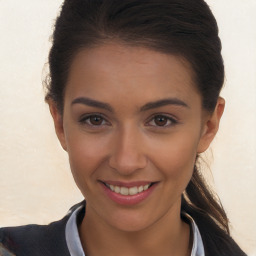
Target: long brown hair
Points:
(186, 28)
(205, 208)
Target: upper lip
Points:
(127, 184)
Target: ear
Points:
(58, 123)
(211, 126)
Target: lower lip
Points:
(128, 200)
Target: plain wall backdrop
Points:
(36, 185)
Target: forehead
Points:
(116, 71)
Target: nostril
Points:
(126, 164)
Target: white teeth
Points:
(128, 191)
(133, 191)
(124, 191)
(146, 187)
(117, 189)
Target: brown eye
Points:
(93, 121)
(96, 120)
(161, 120)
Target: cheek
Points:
(176, 157)
(86, 155)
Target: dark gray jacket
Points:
(36, 240)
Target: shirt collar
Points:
(76, 249)
(72, 236)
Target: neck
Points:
(168, 236)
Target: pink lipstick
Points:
(130, 193)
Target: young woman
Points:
(134, 96)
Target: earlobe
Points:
(58, 123)
(211, 126)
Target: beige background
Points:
(35, 182)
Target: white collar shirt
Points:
(76, 249)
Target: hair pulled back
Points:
(181, 27)
(186, 28)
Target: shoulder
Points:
(37, 239)
(209, 238)
(34, 239)
(216, 240)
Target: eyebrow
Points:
(148, 106)
(92, 103)
(164, 102)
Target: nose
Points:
(128, 152)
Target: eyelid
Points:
(174, 121)
(83, 118)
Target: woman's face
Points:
(132, 119)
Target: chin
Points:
(130, 222)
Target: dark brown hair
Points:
(186, 28)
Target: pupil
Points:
(95, 120)
(161, 120)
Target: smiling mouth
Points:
(125, 191)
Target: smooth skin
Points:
(133, 114)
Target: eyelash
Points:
(86, 119)
(171, 121)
